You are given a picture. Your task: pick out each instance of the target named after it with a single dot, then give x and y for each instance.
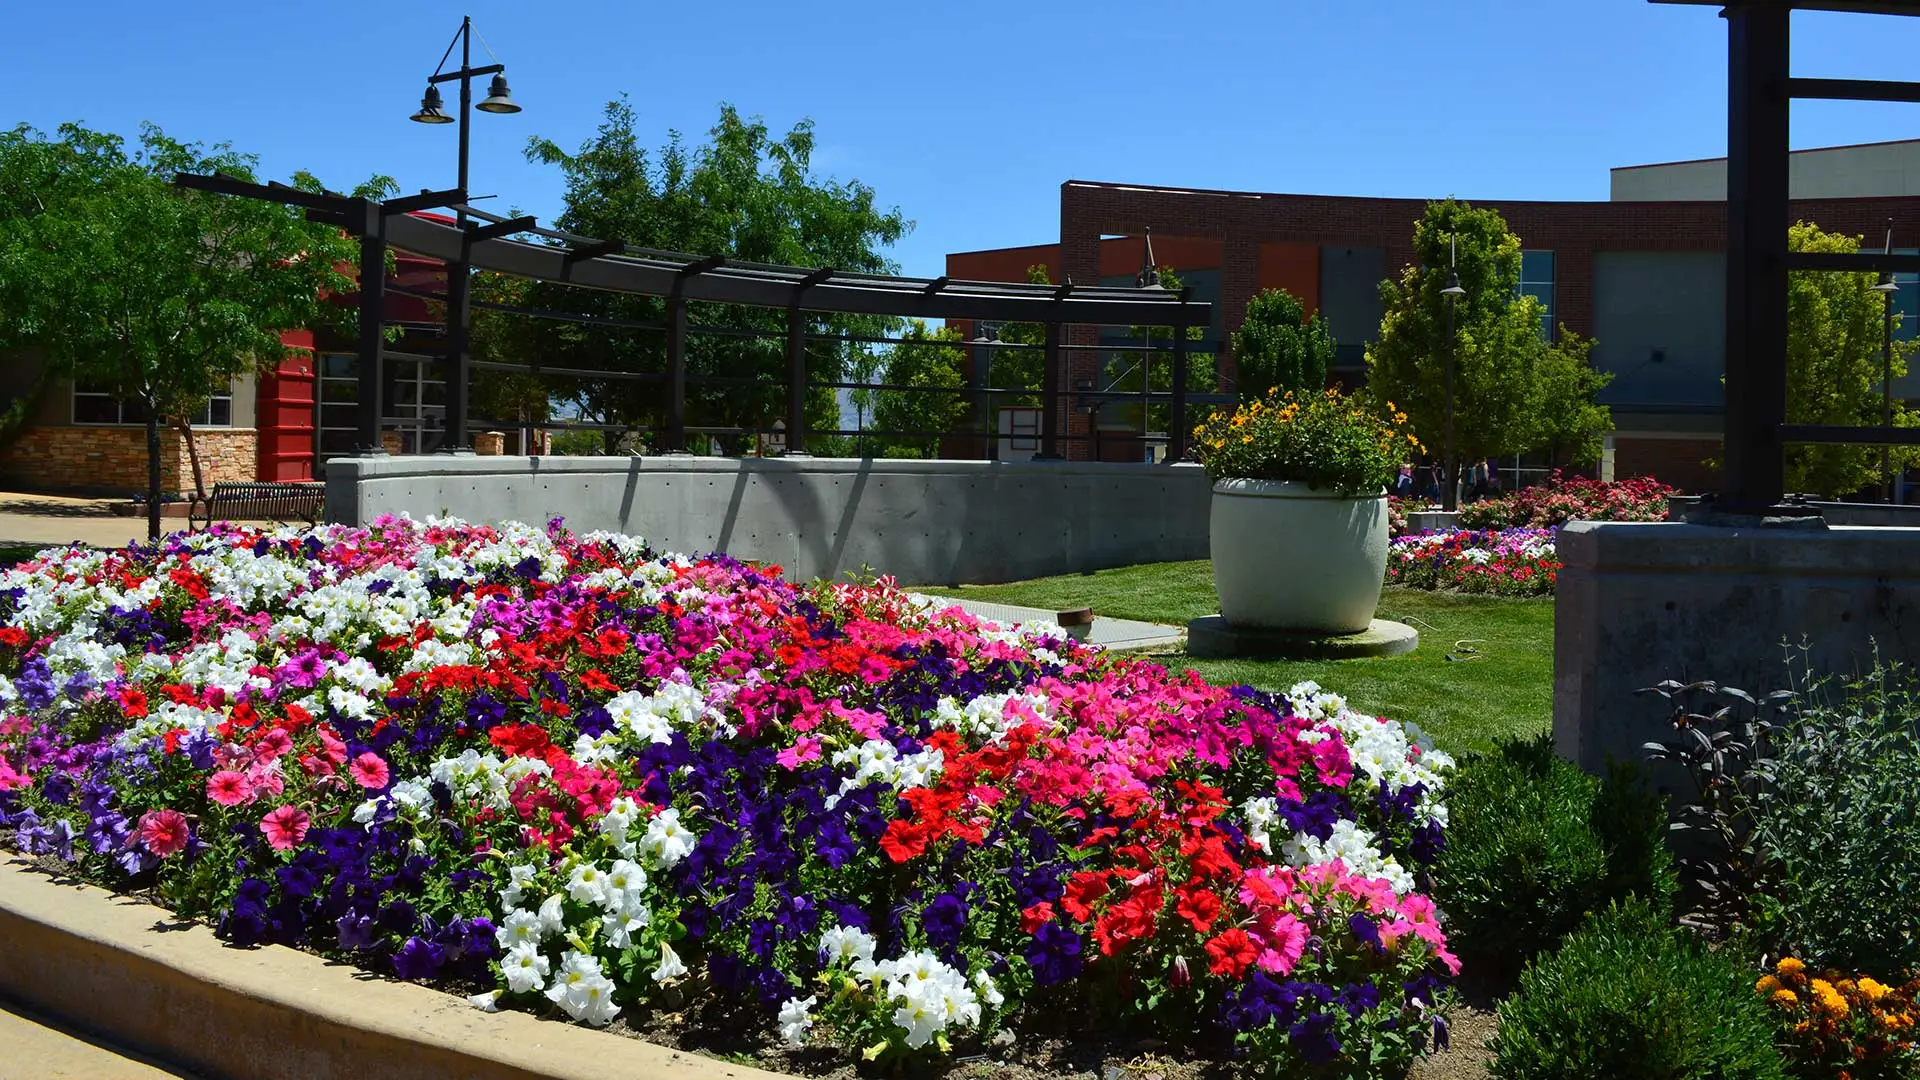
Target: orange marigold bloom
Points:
(1789, 966)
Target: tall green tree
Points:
(1514, 391)
(162, 296)
(747, 194)
(1279, 347)
(1836, 331)
(929, 360)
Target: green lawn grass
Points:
(1483, 671)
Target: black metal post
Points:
(459, 299)
(1757, 219)
(796, 383)
(1450, 489)
(1177, 421)
(1886, 397)
(676, 373)
(1050, 397)
(373, 302)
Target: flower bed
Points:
(1510, 562)
(593, 780)
(1563, 499)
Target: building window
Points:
(94, 404)
(1536, 280)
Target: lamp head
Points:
(431, 111)
(498, 100)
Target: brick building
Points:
(1643, 273)
(279, 425)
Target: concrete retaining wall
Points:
(1640, 603)
(159, 985)
(1835, 513)
(925, 522)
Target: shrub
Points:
(1324, 440)
(1844, 1027)
(1628, 997)
(1839, 826)
(1535, 844)
(1563, 499)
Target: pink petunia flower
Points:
(803, 750)
(229, 788)
(369, 771)
(163, 831)
(285, 827)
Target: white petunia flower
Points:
(795, 1020)
(525, 968)
(670, 966)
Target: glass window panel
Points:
(435, 393)
(1542, 292)
(95, 409)
(339, 365)
(1536, 266)
(405, 394)
(220, 412)
(336, 442)
(335, 390)
(339, 416)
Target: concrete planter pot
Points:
(1289, 557)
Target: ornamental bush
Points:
(601, 780)
(1535, 844)
(1563, 499)
(1628, 997)
(1837, 822)
(1514, 562)
(1324, 440)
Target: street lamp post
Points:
(459, 299)
(1887, 287)
(1450, 491)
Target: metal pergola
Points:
(487, 241)
(1760, 92)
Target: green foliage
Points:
(1534, 844)
(747, 194)
(1321, 439)
(1279, 347)
(931, 358)
(1514, 392)
(159, 294)
(1839, 827)
(1835, 336)
(1628, 997)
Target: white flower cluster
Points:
(990, 716)
(1385, 753)
(927, 996)
(878, 759)
(653, 718)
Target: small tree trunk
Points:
(153, 474)
(193, 458)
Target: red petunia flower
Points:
(1232, 953)
(1083, 891)
(903, 840)
(1199, 907)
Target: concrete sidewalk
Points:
(53, 520)
(36, 1049)
(1120, 634)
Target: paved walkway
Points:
(1124, 634)
(51, 519)
(33, 1048)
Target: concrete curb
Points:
(136, 975)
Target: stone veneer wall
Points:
(114, 459)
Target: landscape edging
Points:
(140, 977)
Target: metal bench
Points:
(257, 501)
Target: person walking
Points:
(1403, 484)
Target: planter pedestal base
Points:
(1212, 637)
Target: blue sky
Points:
(965, 115)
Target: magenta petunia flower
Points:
(285, 827)
(229, 788)
(163, 831)
(369, 771)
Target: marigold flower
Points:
(1789, 966)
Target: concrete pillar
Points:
(1637, 604)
